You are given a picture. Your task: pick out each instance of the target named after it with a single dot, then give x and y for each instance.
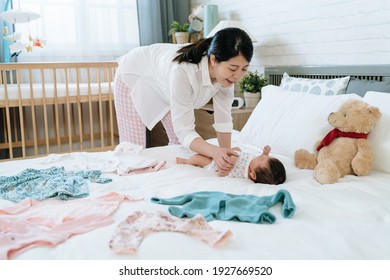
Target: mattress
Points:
(349, 220)
(52, 90)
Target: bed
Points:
(56, 107)
(349, 220)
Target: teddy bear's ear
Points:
(374, 111)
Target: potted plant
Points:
(251, 85)
(179, 32)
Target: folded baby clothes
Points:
(139, 165)
(124, 160)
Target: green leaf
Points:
(177, 27)
(252, 82)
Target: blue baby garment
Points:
(40, 184)
(223, 206)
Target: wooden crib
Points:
(56, 108)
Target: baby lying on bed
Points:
(260, 169)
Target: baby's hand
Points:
(236, 148)
(266, 150)
(222, 173)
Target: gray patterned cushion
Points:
(315, 86)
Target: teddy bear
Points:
(345, 150)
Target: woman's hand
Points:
(225, 159)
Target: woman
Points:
(167, 82)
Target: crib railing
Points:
(56, 108)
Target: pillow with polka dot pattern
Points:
(315, 86)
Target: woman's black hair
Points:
(225, 44)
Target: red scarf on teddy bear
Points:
(337, 133)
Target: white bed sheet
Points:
(347, 220)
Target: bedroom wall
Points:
(306, 32)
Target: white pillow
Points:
(289, 121)
(315, 86)
(380, 136)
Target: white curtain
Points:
(80, 30)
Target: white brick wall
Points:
(313, 32)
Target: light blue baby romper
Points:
(223, 206)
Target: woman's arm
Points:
(224, 139)
(181, 106)
(225, 158)
(223, 125)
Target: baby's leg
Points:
(196, 160)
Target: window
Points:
(82, 30)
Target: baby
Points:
(261, 169)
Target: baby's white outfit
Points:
(240, 169)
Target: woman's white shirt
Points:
(158, 86)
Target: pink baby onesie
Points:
(130, 232)
(32, 223)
